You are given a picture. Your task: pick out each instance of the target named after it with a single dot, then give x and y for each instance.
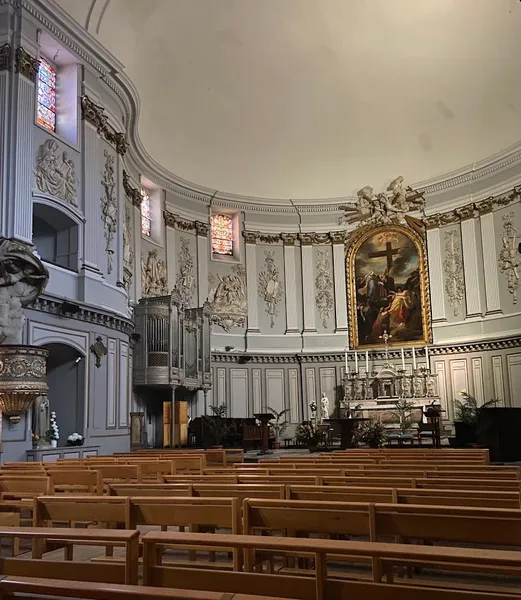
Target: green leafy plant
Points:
(403, 414)
(467, 409)
(373, 434)
(310, 435)
(217, 423)
(279, 427)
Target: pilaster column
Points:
(91, 198)
(6, 60)
(436, 275)
(488, 244)
(290, 282)
(339, 277)
(170, 248)
(20, 207)
(122, 201)
(308, 283)
(469, 245)
(251, 282)
(202, 230)
(134, 196)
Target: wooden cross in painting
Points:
(389, 253)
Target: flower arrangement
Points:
(35, 438)
(373, 434)
(54, 433)
(311, 436)
(467, 410)
(75, 439)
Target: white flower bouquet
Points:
(75, 439)
(54, 432)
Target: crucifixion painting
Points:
(387, 288)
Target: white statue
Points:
(109, 207)
(153, 275)
(324, 407)
(22, 279)
(270, 286)
(55, 175)
(40, 425)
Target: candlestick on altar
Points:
(356, 361)
(427, 356)
(345, 356)
(413, 358)
(403, 359)
(367, 361)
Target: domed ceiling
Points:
(316, 98)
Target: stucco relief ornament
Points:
(109, 207)
(185, 281)
(270, 286)
(228, 300)
(128, 252)
(153, 276)
(55, 175)
(453, 267)
(324, 287)
(389, 207)
(509, 256)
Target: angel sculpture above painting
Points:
(386, 208)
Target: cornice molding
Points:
(442, 350)
(289, 239)
(95, 115)
(173, 220)
(132, 193)
(47, 14)
(89, 314)
(6, 57)
(25, 64)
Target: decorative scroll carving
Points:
(306, 239)
(6, 57)
(26, 65)
(153, 275)
(128, 252)
(202, 229)
(337, 237)
(185, 281)
(228, 300)
(173, 220)
(23, 278)
(465, 212)
(324, 287)
(250, 237)
(508, 256)
(99, 350)
(132, 193)
(270, 286)
(55, 175)
(289, 239)
(384, 208)
(109, 207)
(453, 267)
(253, 237)
(96, 116)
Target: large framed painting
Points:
(388, 288)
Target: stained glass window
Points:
(46, 111)
(146, 220)
(222, 235)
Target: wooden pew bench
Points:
(35, 566)
(80, 481)
(328, 583)
(26, 588)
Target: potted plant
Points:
(311, 436)
(403, 414)
(53, 435)
(466, 418)
(279, 427)
(75, 439)
(35, 439)
(373, 434)
(217, 424)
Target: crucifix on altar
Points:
(386, 337)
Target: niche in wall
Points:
(55, 236)
(66, 380)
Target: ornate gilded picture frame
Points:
(388, 287)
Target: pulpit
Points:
(264, 419)
(347, 428)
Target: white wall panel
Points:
(447, 406)
(327, 385)
(293, 387)
(111, 383)
(221, 389)
(123, 391)
(275, 389)
(256, 391)
(514, 378)
(458, 377)
(477, 380)
(238, 392)
(497, 377)
(311, 390)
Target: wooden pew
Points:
(26, 588)
(80, 481)
(325, 584)
(70, 569)
(24, 487)
(150, 489)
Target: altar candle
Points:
(403, 359)
(367, 361)
(345, 356)
(356, 361)
(427, 355)
(413, 358)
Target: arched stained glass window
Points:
(46, 103)
(222, 235)
(146, 217)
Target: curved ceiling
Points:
(316, 98)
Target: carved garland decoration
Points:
(270, 286)
(109, 207)
(173, 220)
(508, 256)
(324, 287)
(95, 115)
(453, 267)
(26, 65)
(6, 57)
(185, 282)
(132, 193)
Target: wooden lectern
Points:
(347, 428)
(264, 419)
